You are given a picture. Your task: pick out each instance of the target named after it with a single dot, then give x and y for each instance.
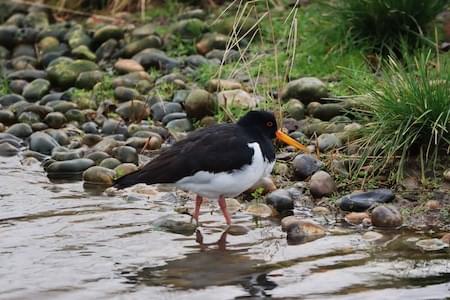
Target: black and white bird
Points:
(218, 161)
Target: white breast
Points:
(213, 185)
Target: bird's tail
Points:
(128, 180)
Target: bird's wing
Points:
(214, 149)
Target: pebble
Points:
(371, 236)
(6, 149)
(281, 200)
(362, 201)
(321, 184)
(99, 176)
(305, 165)
(42, 143)
(21, 130)
(306, 89)
(183, 227)
(386, 216)
(110, 163)
(447, 175)
(433, 205)
(124, 169)
(432, 244)
(236, 230)
(126, 154)
(199, 103)
(74, 166)
(303, 231)
(356, 218)
(259, 210)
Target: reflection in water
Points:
(212, 265)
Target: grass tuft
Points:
(381, 25)
(409, 114)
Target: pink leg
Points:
(198, 203)
(223, 208)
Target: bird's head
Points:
(265, 123)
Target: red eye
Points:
(269, 124)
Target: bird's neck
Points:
(265, 143)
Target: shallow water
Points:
(61, 241)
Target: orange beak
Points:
(290, 141)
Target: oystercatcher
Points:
(218, 161)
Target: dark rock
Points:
(91, 139)
(211, 41)
(7, 117)
(226, 56)
(65, 155)
(161, 109)
(386, 216)
(42, 143)
(6, 149)
(89, 127)
(8, 35)
(21, 130)
(39, 126)
(107, 32)
(10, 99)
(51, 97)
(55, 120)
(87, 80)
(199, 103)
(126, 154)
(364, 200)
(75, 115)
(154, 58)
(110, 163)
(24, 50)
(131, 79)
(36, 89)
(41, 110)
(28, 75)
(281, 200)
(97, 156)
(137, 46)
(106, 50)
(190, 28)
(295, 109)
(78, 37)
(107, 145)
(134, 110)
(17, 86)
(83, 52)
(29, 117)
(59, 135)
(64, 72)
(173, 116)
(123, 94)
(305, 165)
(111, 126)
(180, 125)
(195, 61)
(326, 112)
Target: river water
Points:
(59, 240)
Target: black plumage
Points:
(215, 149)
